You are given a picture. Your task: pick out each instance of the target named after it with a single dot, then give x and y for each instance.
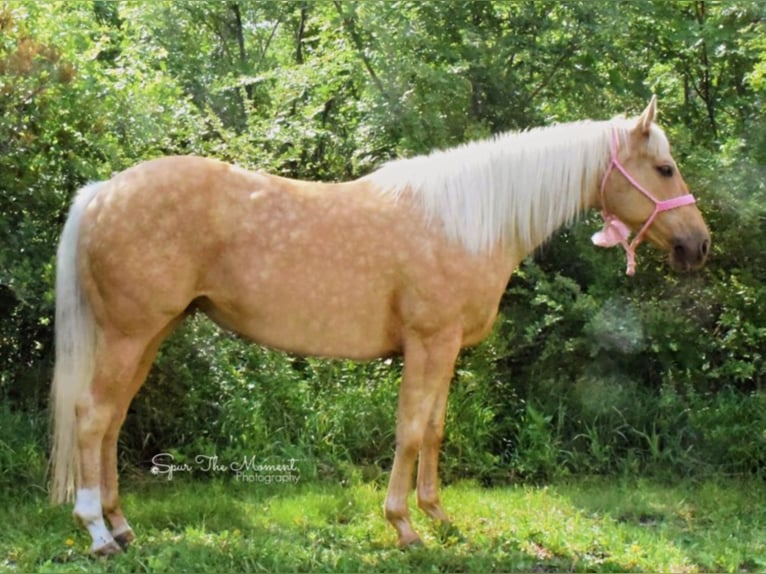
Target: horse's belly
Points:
(352, 341)
(349, 325)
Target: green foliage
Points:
(22, 453)
(587, 371)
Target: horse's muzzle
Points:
(690, 252)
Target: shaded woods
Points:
(588, 371)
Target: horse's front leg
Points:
(428, 463)
(428, 367)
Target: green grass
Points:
(593, 525)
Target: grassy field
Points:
(593, 525)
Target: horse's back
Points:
(281, 261)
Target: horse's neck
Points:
(516, 189)
(557, 182)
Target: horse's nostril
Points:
(691, 250)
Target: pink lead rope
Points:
(615, 231)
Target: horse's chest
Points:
(451, 288)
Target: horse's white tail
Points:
(75, 350)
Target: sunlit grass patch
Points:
(593, 525)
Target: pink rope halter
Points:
(615, 231)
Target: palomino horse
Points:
(412, 258)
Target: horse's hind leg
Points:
(110, 496)
(116, 364)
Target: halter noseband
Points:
(615, 231)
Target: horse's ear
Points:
(647, 117)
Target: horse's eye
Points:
(665, 170)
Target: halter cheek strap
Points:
(615, 232)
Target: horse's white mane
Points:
(515, 187)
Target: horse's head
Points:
(643, 188)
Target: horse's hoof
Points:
(107, 549)
(411, 544)
(124, 538)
